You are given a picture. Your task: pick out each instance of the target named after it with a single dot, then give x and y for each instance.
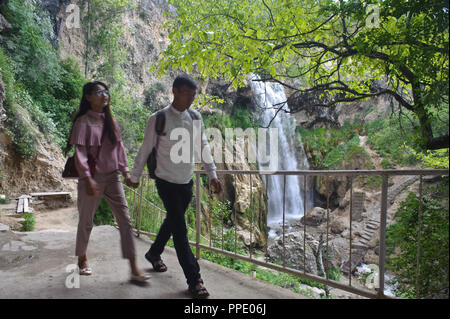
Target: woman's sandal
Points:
(198, 293)
(157, 264)
(85, 271)
(140, 278)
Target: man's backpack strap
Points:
(160, 123)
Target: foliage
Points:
(430, 159)
(327, 147)
(402, 242)
(387, 138)
(132, 119)
(334, 274)
(105, 59)
(332, 47)
(103, 214)
(239, 118)
(22, 139)
(319, 142)
(47, 86)
(34, 59)
(347, 153)
(334, 148)
(29, 222)
(150, 95)
(105, 55)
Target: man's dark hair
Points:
(184, 80)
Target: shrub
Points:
(320, 142)
(402, 242)
(346, 154)
(387, 138)
(103, 215)
(48, 87)
(29, 222)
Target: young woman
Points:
(96, 136)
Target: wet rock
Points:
(314, 217)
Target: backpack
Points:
(159, 128)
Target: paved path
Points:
(33, 265)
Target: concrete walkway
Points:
(40, 265)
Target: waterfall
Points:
(267, 96)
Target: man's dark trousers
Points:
(176, 198)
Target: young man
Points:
(174, 179)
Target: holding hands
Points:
(129, 182)
(215, 182)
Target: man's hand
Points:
(215, 182)
(129, 182)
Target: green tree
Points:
(335, 50)
(103, 27)
(429, 278)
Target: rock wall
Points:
(40, 173)
(143, 41)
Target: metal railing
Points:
(146, 210)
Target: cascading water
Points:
(268, 97)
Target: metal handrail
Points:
(385, 174)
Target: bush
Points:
(37, 79)
(402, 242)
(22, 140)
(103, 215)
(150, 95)
(28, 44)
(387, 138)
(320, 142)
(29, 222)
(346, 154)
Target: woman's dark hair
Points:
(109, 129)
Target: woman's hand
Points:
(128, 181)
(92, 187)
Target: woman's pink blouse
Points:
(87, 137)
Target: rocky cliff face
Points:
(143, 40)
(40, 173)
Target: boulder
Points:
(294, 253)
(314, 217)
(337, 226)
(299, 252)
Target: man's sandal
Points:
(157, 263)
(198, 293)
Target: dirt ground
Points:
(62, 218)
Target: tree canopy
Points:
(340, 51)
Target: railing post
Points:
(197, 215)
(419, 222)
(140, 208)
(383, 214)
